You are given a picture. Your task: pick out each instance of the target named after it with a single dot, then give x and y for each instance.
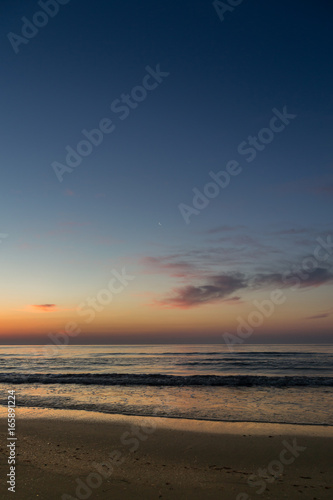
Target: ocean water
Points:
(255, 383)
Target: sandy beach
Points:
(81, 455)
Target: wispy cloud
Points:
(326, 189)
(292, 231)
(322, 315)
(319, 316)
(237, 262)
(221, 287)
(322, 185)
(44, 307)
(169, 265)
(315, 278)
(69, 192)
(216, 289)
(223, 229)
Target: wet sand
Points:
(80, 455)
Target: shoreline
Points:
(41, 412)
(159, 457)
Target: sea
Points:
(254, 383)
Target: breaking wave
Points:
(125, 379)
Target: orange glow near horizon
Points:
(133, 315)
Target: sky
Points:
(167, 172)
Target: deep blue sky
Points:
(121, 203)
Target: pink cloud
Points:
(216, 289)
(69, 192)
(318, 316)
(45, 307)
(175, 269)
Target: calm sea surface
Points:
(257, 383)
